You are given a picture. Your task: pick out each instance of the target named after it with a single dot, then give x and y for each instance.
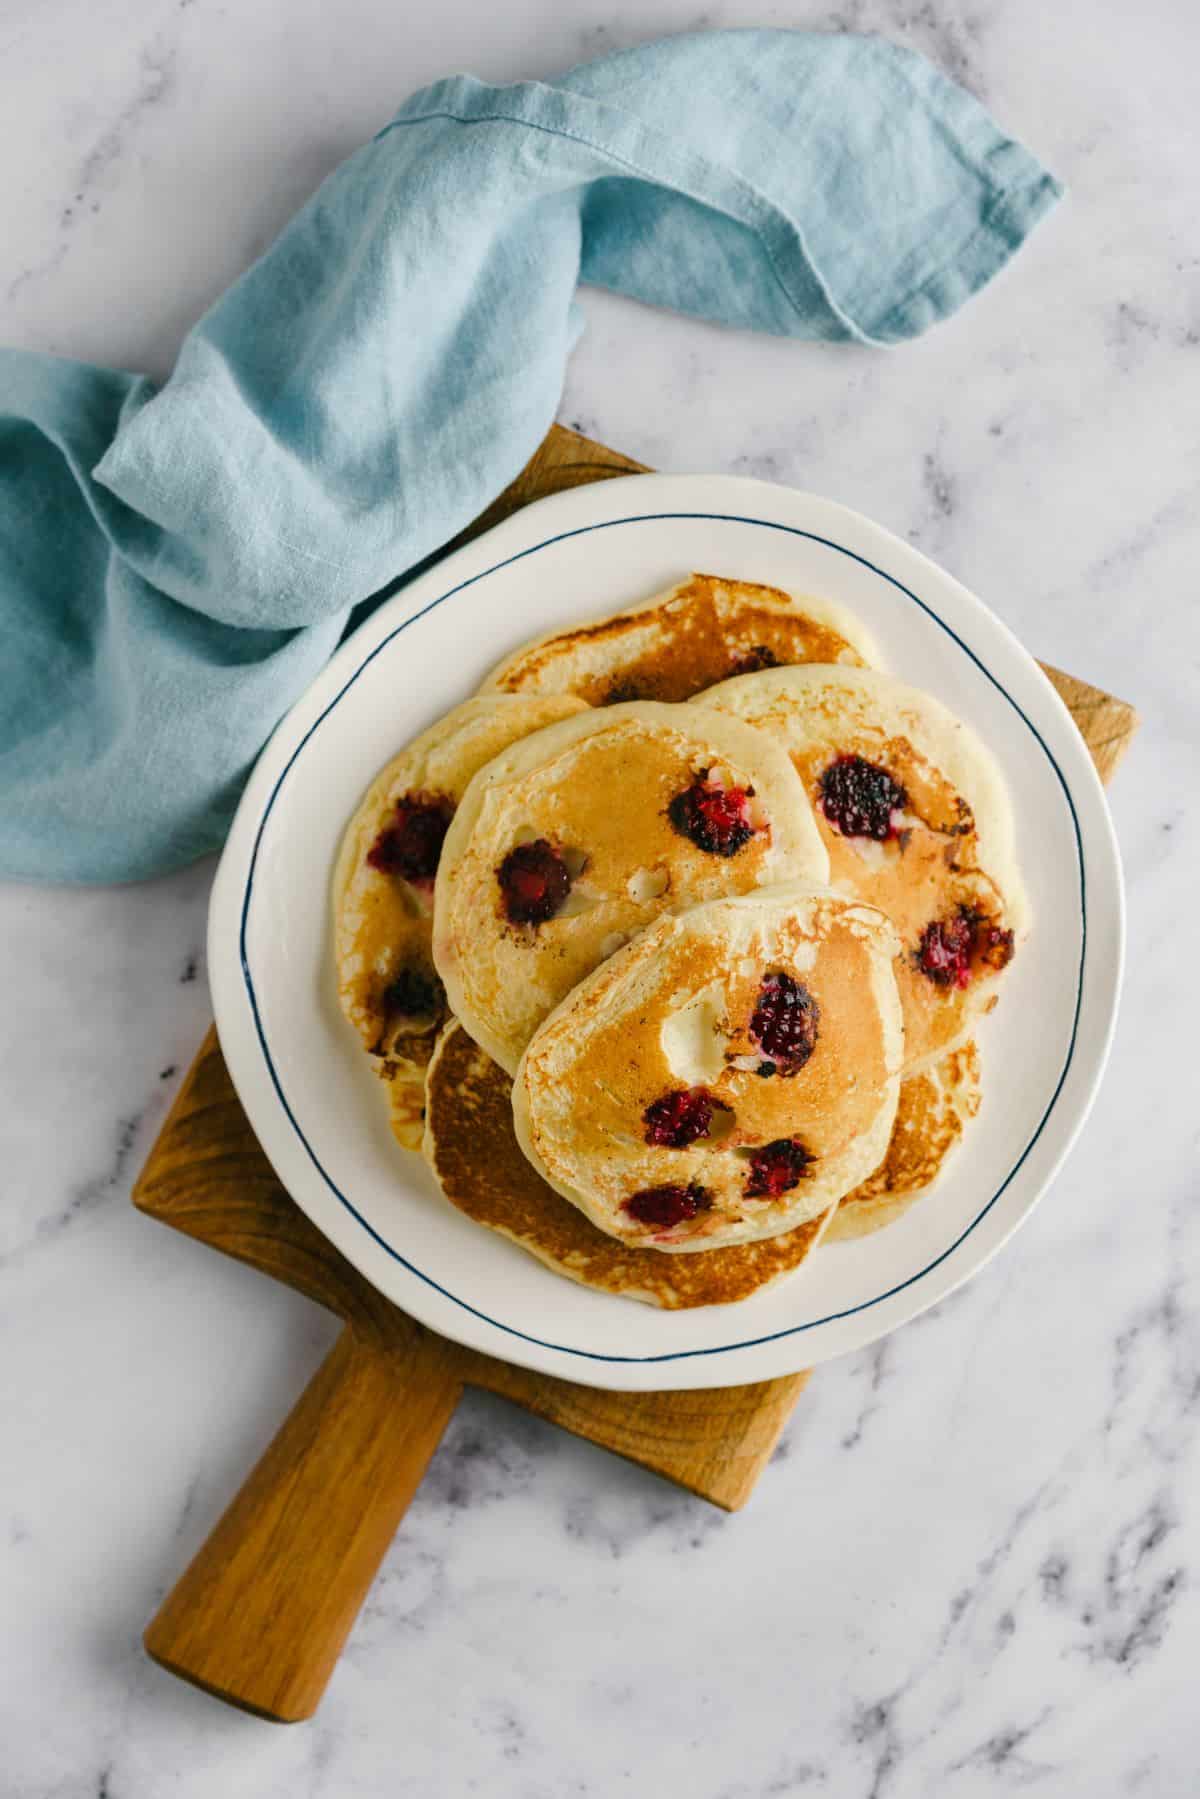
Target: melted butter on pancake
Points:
(699, 632)
(692, 1038)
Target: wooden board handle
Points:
(260, 1616)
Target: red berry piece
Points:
(784, 1024)
(534, 882)
(665, 1207)
(945, 950)
(412, 844)
(716, 819)
(758, 656)
(776, 1168)
(415, 993)
(950, 948)
(859, 797)
(680, 1118)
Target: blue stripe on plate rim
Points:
(793, 1329)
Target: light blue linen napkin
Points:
(176, 565)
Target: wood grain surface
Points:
(260, 1616)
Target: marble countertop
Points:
(973, 1565)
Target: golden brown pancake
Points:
(471, 1146)
(382, 920)
(943, 865)
(701, 631)
(935, 1106)
(609, 818)
(730, 1074)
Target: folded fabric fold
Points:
(176, 565)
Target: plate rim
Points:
(250, 1062)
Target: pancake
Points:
(700, 631)
(729, 1074)
(569, 842)
(472, 1148)
(935, 1105)
(916, 820)
(382, 920)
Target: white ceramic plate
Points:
(309, 1091)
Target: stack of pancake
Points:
(668, 945)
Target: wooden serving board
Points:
(260, 1616)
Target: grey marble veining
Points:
(973, 1566)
